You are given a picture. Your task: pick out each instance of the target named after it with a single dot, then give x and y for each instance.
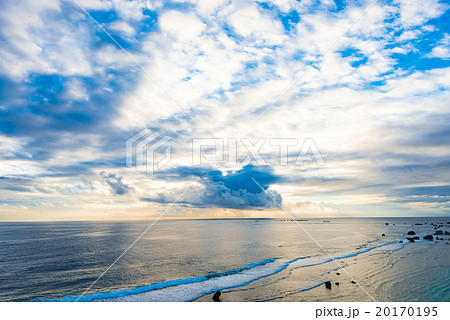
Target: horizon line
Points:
(227, 218)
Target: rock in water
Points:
(411, 233)
(428, 237)
(216, 296)
(328, 285)
(439, 232)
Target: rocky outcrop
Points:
(328, 285)
(428, 237)
(216, 296)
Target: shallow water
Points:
(250, 260)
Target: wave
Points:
(158, 285)
(189, 289)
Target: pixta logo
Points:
(142, 148)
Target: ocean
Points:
(247, 259)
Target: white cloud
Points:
(257, 27)
(122, 27)
(37, 45)
(417, 12)
(442, 50)
(409, 35)
(226, 82)
(95, 4)
(184, 27)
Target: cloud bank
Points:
(376, 104)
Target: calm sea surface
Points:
(249, 260)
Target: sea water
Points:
(247, 259)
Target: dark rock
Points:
(411, 240)
(383, 235)
(337, 273)
(353, 282)
(416, 238)
(401, 241)
(336, 283)
(216, 296)
(428, 237)
(328, 285)
(439, 233)
(419, 224)
(411, 233)
(447, 233)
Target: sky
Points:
(367, 82)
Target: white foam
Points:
(192, 291)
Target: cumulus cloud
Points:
(234, 190)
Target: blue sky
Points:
(376, 104)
